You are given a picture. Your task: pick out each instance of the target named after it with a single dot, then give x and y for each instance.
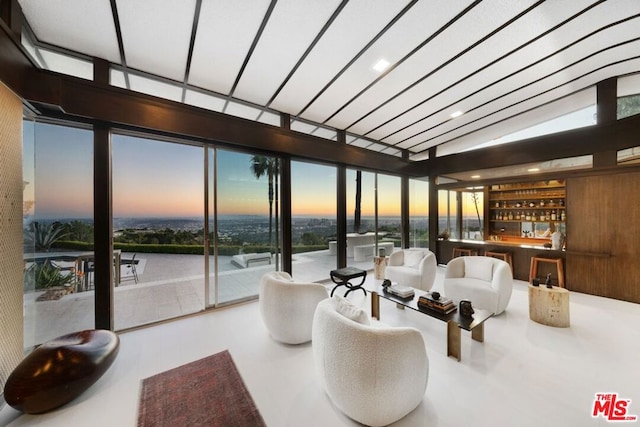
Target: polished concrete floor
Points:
(524, 374)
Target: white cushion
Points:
(350, 310)
(478, 268)
(413, 258)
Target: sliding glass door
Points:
(158, 224)
(313, 224)
(244, 195)
(418, 213)
(58, 231)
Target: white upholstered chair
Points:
(487, 282)
(373, 373)
(412, 267)
(287, 307)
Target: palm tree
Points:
(358, 212)
(263, 165)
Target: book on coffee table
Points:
(441, 305)
(401, 291)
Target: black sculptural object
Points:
(548, 281)
(60, 370)
(466, 309)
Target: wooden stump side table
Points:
(549, 306)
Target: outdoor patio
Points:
(169, 285)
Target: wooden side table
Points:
(549, 306)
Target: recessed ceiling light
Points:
(475, 176)
(533, 170)
(381, 65)
(456, 114)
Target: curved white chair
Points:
(287, 307)
(486, 282)
(412, 267)
(373, 373)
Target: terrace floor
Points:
(169, 286)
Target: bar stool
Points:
(464, 252)
(503, 255)
(535, 260)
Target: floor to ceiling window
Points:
(246, 191)
(473, 214)
(313, 223)
(389, 210)
(373, 216)
(448, 214)
(419, 213)
(58, 231)
(158, 223)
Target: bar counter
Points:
(522, 249)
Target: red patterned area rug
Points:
(207, 392)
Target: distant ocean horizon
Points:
(195, 223)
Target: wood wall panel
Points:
(603, 235)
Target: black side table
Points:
(342, 276)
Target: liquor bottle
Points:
(510, 216)
(563, 216)
(553, 215)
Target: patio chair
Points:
(131, 268)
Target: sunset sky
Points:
(161, 179)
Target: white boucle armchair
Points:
(412, 267)
(373, 373)
(487, 282)
(287, 307)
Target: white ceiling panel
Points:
(84, 26)
(156, 35)
(155, 88)
(586, 47)
(339, 45)
(67, 65)
(277, 52)
(412, 29)
(587, 81)
(629, 85)
(437, 65)
(541, 70)
(517, 34)
(471, 28)
(225, 32)
(204, 100)
(531, 118)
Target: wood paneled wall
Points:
(603, 235)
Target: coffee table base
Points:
(454, 340)
(454, 330)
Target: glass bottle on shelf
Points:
(510, 216)
(563, 216)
